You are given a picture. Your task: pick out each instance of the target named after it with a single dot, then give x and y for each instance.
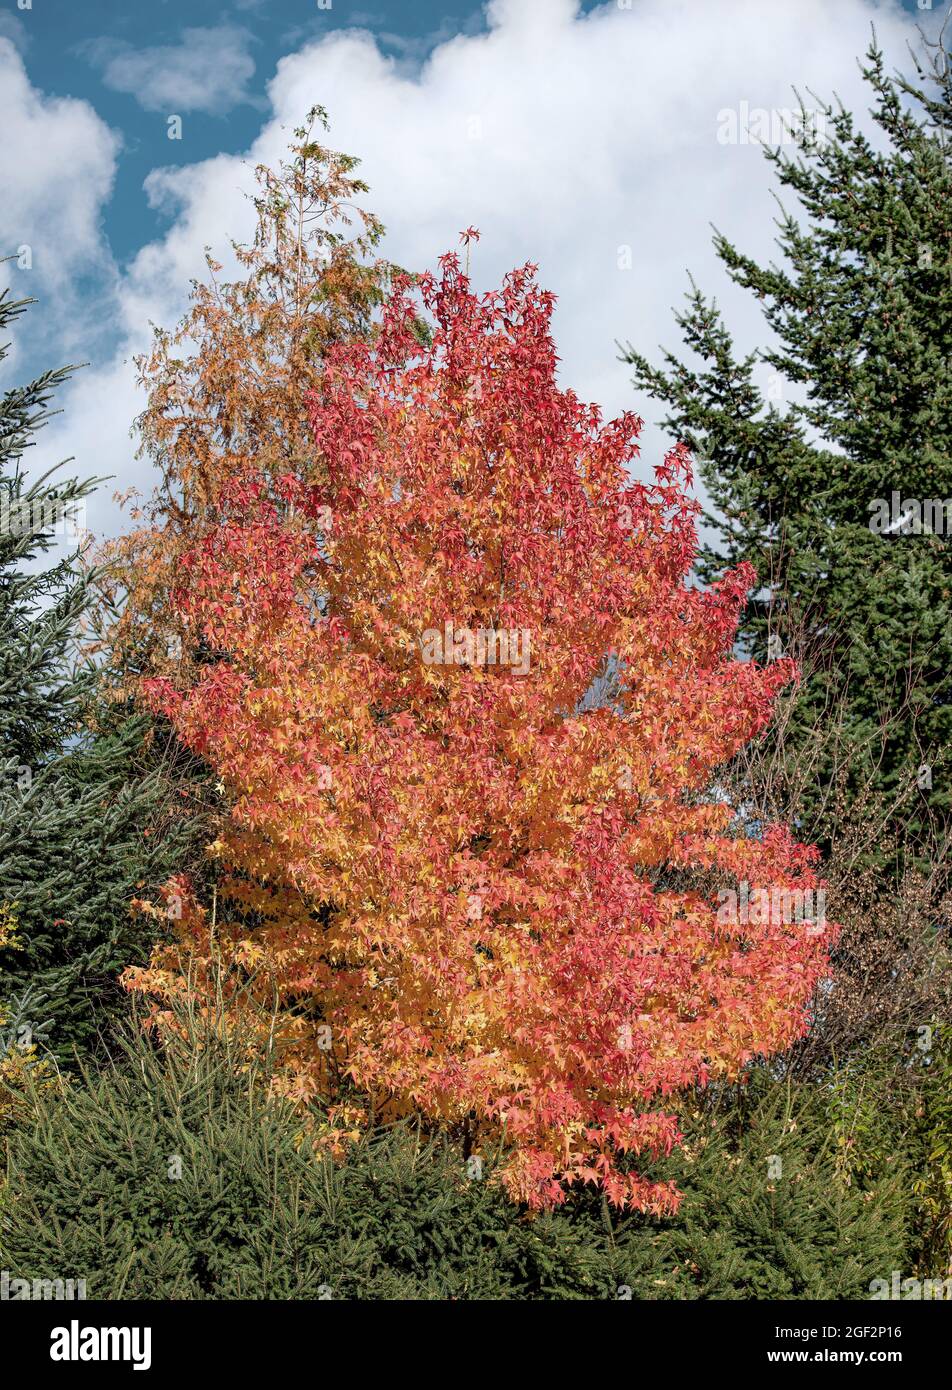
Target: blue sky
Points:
(581, 136)
(94, 50)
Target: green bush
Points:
(770, 1211)
(91, 1193)
(253, 1214)
(933, 1186)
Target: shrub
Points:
(255, 1214)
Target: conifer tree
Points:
(818, 450)
(85, 817)
(169, 1174)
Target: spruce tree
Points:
(168, 1173)
(802, 468)
(86, 814)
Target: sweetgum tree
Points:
(447, 890)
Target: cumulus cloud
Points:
(53, 198)
(208, 70)
(13, 28)
(586, 143)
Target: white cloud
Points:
(565, 139)
(209, 70)
(58, 170)
(13, 28)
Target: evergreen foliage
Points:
(86, 814)
(858, 321)
(92, 1193)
